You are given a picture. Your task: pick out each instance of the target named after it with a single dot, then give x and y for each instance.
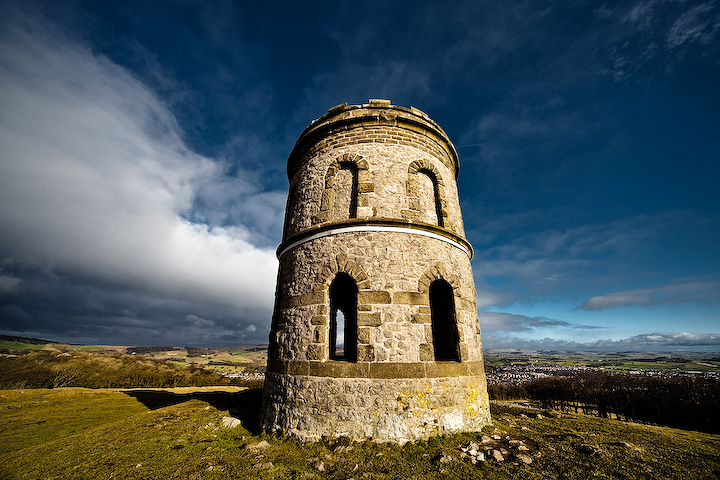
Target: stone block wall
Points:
(399, 232)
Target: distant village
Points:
(522, 374)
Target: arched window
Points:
(343, 318)
(346, 192)
(430, 196)
(444, 324)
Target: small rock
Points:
(485, 439)
(523, 448)
(444, 458)
(526, 459)
(496, 437)
(524, 428)
(471, 449)
(229, 422)
(539, 416)
(256, 447)
(497, 456)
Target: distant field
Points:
(15, 346)
(222, 360)
(611, 361)
(179, 434)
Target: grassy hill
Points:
(179, 433)
(52, 365)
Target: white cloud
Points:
(687, 292)
(485, 298)
(95, 179)
(661, 341)
(510, 322)
(9, 283)
(699, 24)
(665, 29)
(562, 257)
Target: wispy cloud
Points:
(509, 322)
(651, 36)
(661, 341)
(700, 24)
(689, 292)
(516, 247)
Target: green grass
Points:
(141, 434)
(46, 369)
(87, 348)
(12, 346)
(35, 417)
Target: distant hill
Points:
(30, 340)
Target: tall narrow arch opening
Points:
(343, 318)
(444, 323)
(346, 192)
(430, 195)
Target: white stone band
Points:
(374, 228)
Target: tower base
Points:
(382, 409)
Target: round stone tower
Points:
(375, 330)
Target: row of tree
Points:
(683, 402)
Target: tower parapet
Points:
(375, 331)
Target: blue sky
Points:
(143, 149)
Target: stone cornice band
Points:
(375, 370)
(379, 225)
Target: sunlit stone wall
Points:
(373, 196)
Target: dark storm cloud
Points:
(97, 188)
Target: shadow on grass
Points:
(243, 405)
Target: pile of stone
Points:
(499, 447)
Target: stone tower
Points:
(375, 330)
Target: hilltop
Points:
(212, 431)
(192, 434)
